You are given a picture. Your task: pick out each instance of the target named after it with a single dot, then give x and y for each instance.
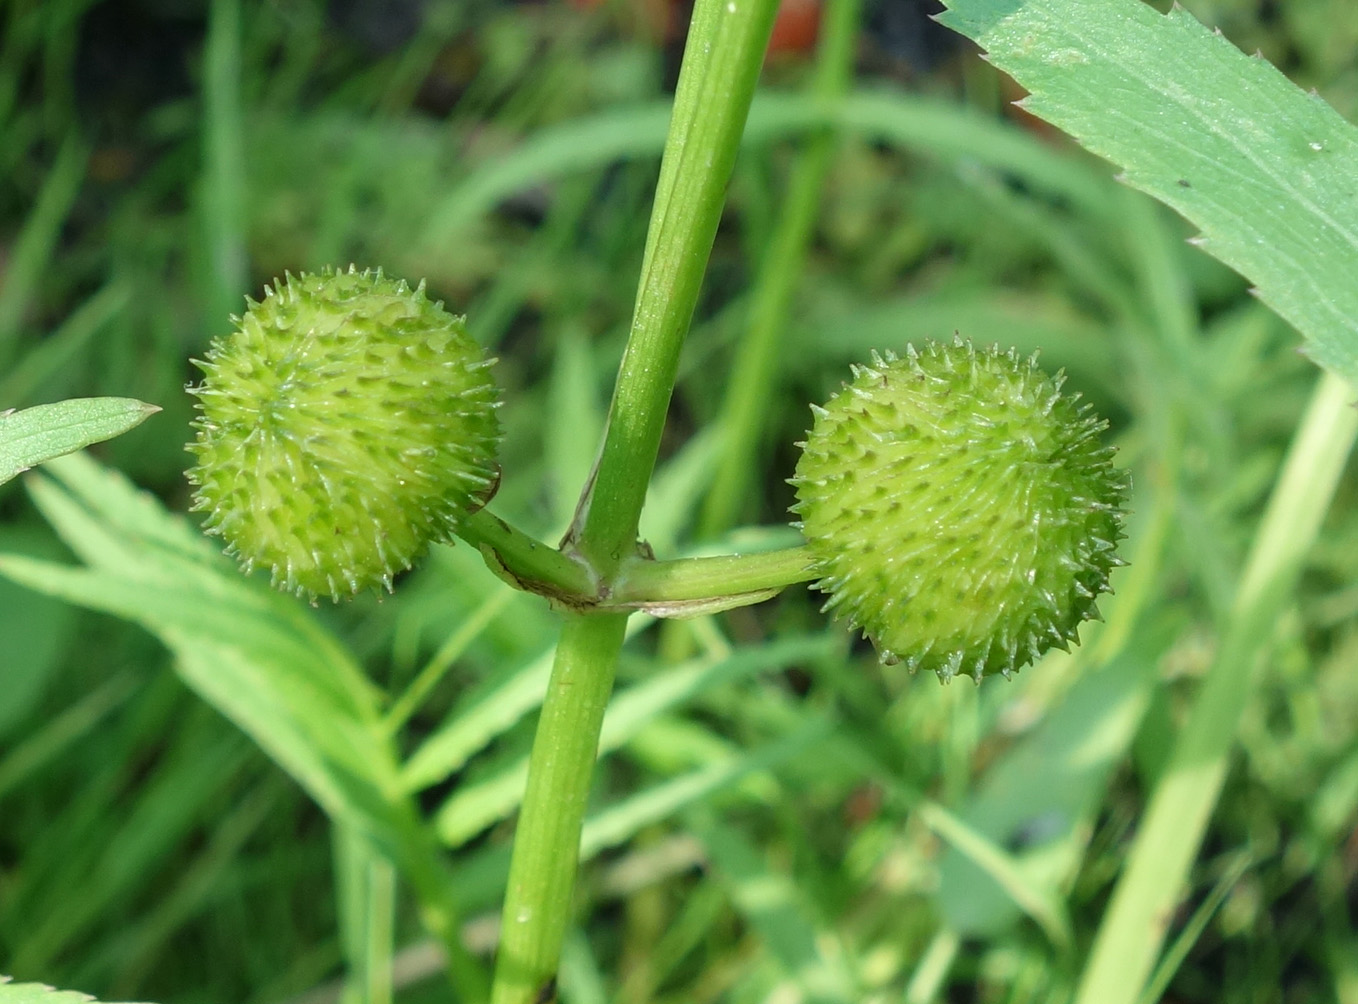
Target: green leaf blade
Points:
(38, 993)
(46, 431)
(1265, 170)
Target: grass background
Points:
(160, 159)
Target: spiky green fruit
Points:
(345, 425)
(961, 511)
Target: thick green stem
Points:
(721, 65)
(547, 844)
(754, 373)
(643, 584)
(718, 582)
(528, 563)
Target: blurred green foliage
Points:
(159, 161)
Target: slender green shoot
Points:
(754, 372)
(726, 43)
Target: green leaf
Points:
(36, 993)
(251, 652)
(930, 126)
(615, 824)
(1262, 168)
(37, 632)
(45, 431)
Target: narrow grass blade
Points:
(618, 823)
(36, 750)
(1194, 928)
(32, 252)
(474, 807)
(172, 803)
(1176, 819)
(38, 633)
(366, 886)
(1028, 321)
(40, 364)
(921, 125)
(1039, 798)
(772, 905)
(223, 191)
(133, 955)
(582, 982)
(252, 653)
(476, 723)
(1034, 898)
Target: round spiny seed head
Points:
(961, 511)
(346, 424)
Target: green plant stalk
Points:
(378, 969)
(421, 863)
(727, 40)
(526, 562)
(754, 377)
(1135, 925)
(1241, 862)
(641, 583)
(366, 893)
(725, 50)
(222, 194)
(547, 843)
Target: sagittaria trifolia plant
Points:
(956, 506)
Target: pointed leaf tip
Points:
(47, 431)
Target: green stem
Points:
(718, 582)
(528, 563)
(643, 584)
(422, 864)
(547, 844)
(366, 891)
(722, 59)
(223, 193)
(725, 50)
(754, 372)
